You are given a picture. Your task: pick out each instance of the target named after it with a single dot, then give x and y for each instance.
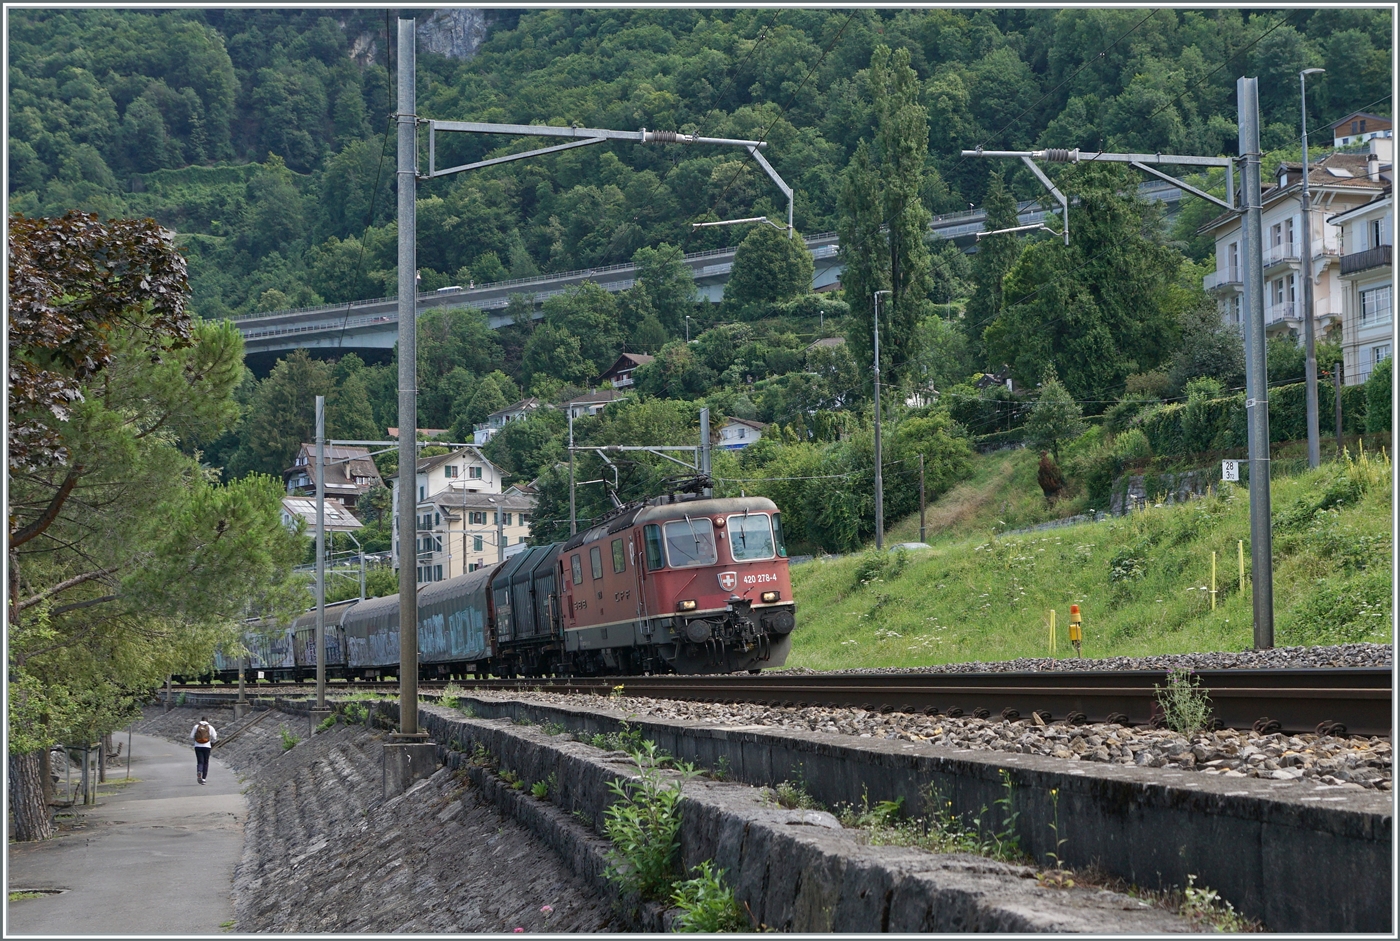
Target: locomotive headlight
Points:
(685, 605)
(769, 597)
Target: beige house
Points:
(463, 472)
(1337, 184)
(459, 532)
(1367, 285)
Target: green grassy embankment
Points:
(1142, 581)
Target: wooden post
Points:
(923, 532)
(1212, 579)
(1337, 402)
(1052, 633)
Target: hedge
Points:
(1219, 424)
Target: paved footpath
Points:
(152, 857)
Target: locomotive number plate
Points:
(760, 579)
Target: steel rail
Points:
(1299, 700)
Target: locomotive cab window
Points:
(750, 537)
(595, 561)
(577, 565)
(778, 536)
(619, 555)
(651, 536)
(691, 542)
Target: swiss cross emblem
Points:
(727, 580)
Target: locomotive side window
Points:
(619, 557)
(651, 535)
(577, 565)
(778, 535)
(750, 537)
(595, 561)
(691, 542)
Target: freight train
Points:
(678, 584)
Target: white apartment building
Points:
(463, 471)
(1337, 184)
(459, 532)
(1367, 285)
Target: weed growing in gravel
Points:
(1055, 829)
(512, 779)
(1185, 704)
(941, 830)
(554, 728)
(707, 905)
(481, 758)
(355, 713)
(326, 724)
(644, 827)
(289, 740)
(722, 771)
(793, 794)
(625, 739)
(1205, 905)
(451, 696)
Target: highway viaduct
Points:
(369, 328)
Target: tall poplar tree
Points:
(995, 257)
(886, 221)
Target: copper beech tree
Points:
(126, 559)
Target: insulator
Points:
(667, 137)
(1060, 155)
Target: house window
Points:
(507, 522)
(619, 554)
(1239, 317)
(595, 561)
(474, 473)
(1376, 233)
(1353, 127)
(472, 566)
(1275, 235)
(421, 489)
(1379, 353)
(524, 519)
(1375, 306)
(1291, 295)
(1363, 125)
(450, 470)
(478, 517)
(1278, 292)
(1232, 255)
(476, 543)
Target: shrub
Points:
(1185, 705)
(644, 826)
(289, 740)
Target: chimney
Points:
(1373, 167)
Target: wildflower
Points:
(547, 909)
(518, 931)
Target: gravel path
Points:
(324, 853)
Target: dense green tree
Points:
(283, 415)
(676, 373)
(126, 561)
(662, 272)
(589, 313)
(1099, 309)
(555, 353)
(1210, 349)
(768, 268)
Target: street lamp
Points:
(1309, 341)
(879, 471)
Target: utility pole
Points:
(500, 528)
(408, 379)
(1256, 374)
(573, 504)
(704, 468)
(1309, 343)
(879, 470)
(320, 552)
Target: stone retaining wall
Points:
(796, 870)
(1273, 850)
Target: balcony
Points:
(1357, 262)
(1219, 279)
(1277, 313)
(1279, 254)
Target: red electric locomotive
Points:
(678, 584)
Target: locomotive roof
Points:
(661, 509)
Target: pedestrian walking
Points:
(204, 736)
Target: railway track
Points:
(1354, 700)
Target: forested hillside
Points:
(262, 138)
